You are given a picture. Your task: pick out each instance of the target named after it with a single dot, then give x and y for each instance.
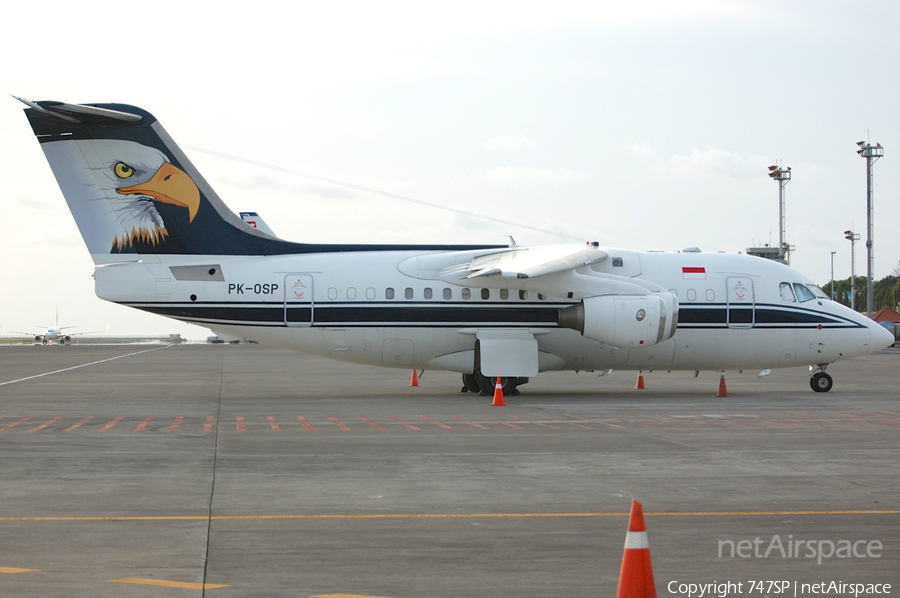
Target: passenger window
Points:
(389, 293)
(504, 294)
(803, 294)
(787, 293)
(370, 293)
(617, 262)
(692, 295)
(351, 293)
(448, 294)
(332, 293)
(710, 295)
(467, 294)
(408, 293)
(485, 294)
(523, 295)
(428, 293)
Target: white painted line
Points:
(83, 365)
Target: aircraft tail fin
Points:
(132, 190)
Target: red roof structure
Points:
(887, 315)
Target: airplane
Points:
(255, 220)
(53, 334)
(162, 241)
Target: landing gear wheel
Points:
(821, 382)
(488, 385)
(470, 383)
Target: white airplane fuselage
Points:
(378, 308)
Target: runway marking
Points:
(306, 424)
(188, 585)
(596, 421)
(17, 570)
(138, 518)
(619, 419)
(371, 423)
(46, 424)
(700, 421)
(208, 426)
(79, 424)
(562, 421)
(273, 424)
(869, 420)
(465, 421)
(407, 424)
(14, 424)
(338, 423)
(659, 421)
(437, 423)
(112, 423)
(507, 424)
(240, 425)
(83, 365)
(768, 421)
(528, 421)
(143, 424)
(734, 420)
(176, 423)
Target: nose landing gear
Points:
(819, 381)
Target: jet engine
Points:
(627, 321)
(38, 338)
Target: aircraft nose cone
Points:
(879, 338)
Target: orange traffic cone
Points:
(640, 381)
(636, 576)
(498, 395)
(723, 392)
(415, 379)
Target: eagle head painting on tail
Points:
(134, 179)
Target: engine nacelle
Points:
(38, 338)
(627, 321)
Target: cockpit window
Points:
(803, 293)
(787, 294)
(817, 291)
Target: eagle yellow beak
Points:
(169, 185)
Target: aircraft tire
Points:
(821, 382)
(488, 385)
(470, 383)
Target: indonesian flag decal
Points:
(693, 273)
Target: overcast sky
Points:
(645, 125)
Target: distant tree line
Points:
(887, 291)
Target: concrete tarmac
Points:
(250, 471)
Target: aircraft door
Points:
(741, 309)
(298, 300)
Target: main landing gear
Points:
(819, 381)
(485, 386)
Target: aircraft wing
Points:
(556, 271)
(530, 262)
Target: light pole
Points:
(832, 275)
(871, 153)
(853, 238)
(783, 176)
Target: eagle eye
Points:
(123, 171)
